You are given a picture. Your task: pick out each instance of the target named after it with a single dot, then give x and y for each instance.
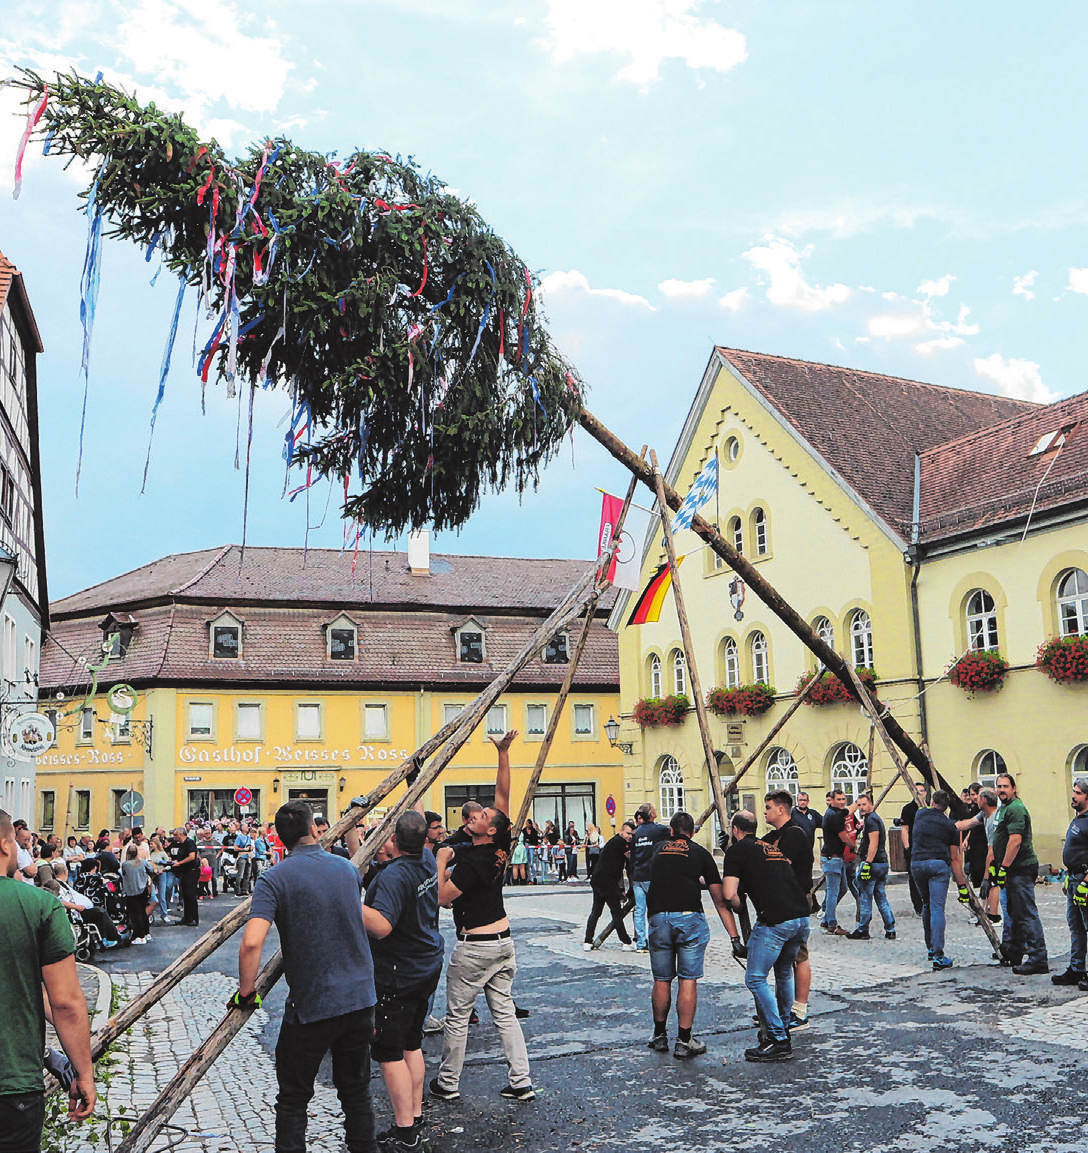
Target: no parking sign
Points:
(243, 797)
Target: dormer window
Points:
(469, 642)
(226, 637)
(117, 630)
(557, 650)
(342, 639)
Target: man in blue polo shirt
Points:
(314, 898)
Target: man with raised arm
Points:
(483, 961)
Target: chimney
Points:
(419, 552)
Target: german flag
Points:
(647, 610)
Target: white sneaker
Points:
(628, 948)
(139, 941)
(587, 947)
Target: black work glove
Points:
(740, 949)
(865, 873)
(413, 775)
(964, 897)
(246, 1001)
(723, 841)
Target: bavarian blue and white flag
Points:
(705, 486)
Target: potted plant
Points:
(650, 712)
(980, 671)
(1064, 659)
(747, 700)
(831, 691)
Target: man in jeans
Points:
(1014, 869)
(836, 841)
(768, 879)
(315, 900)
(872, 872)
(1075, 860)
(935, 857)
(648, 833)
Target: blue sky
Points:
(891, 187)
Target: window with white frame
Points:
(672, 787)
(731, 663)
(120, 729)
(759, 528)
(86, 726)
(536, 720)
(761, 663)
(1078, 763)
(583, 720)
(200, 723)
(735, 532)
(782, 772)
(825, 630)
(988, 765)
(343, 640)
(451, 713)
(1073, 603)
(308, 722)
(375, 722)
(496, 720)
(849, 771)
(679, 673)
(470, 644)
(30, 666)
(11, 655)
(226, 637)
(656, 682)
(981, 620)
(861, 639)
(247, 721)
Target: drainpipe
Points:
(914, 558)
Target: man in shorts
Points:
(678, 932)
(401, 917)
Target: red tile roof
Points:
(11, 282)
(868, 426)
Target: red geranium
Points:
(653, 711)
(1064, 659)
(831, 691)
(749, 700)
(982, 671)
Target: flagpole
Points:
(689, 652)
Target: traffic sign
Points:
(610, 805)
(242, 797)
(131, 803)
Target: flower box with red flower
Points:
(831, 691)
(980, 671)
(652, 712)
(745, 700)
(1064, 659)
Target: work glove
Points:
(740, 949)
(723, 841)
(999, 879)
(247, 1001)
(413, 774)
(1065, 885)
(964, 897)
(865, 873)
(358, 802)
(1080, 895)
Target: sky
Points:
(898, 188)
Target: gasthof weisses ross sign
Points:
(288, 755)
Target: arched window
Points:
(679, 673)
(735, 532)
(761, 664)
(731, 663)
(782, 772)
(759, 530)
(1073, 603)
(981, 620)
(861, 639)
(849, 770)
(1078, 763)
(655, 676)
(672, 788)
(987, 766)
(825, 630)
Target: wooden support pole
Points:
(689, 650)
(779, 725)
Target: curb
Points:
(100, 1011)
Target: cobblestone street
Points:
(897, 1057)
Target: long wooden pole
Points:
(762, 589)
(689, 649)
(795, 704)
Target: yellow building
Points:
(284, 675)
(909, 524)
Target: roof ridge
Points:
(203, 572)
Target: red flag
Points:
(611, 507)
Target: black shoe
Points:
(525, 1093)
(770, 1051)
(391, 1143)
(1031, 968)
(443, 1094)
(520, 1013)
(1069, 977)
(889, 935)
(858, 935)
(659, 1042)
(1083, 984)
(796, 1022)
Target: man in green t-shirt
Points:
(1014, 869)
(36, 948)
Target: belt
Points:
(484, 936)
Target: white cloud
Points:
(914, 318)
(647, 32)
(557, 283)
(734, 301)
(938, 344)
(1016, 378)
(937, 287)
(788, 288)
(1021, 285)
(1078, 280)
(685, 289)
(848, 217)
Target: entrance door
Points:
(317, 799)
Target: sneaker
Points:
(692, 1048)
(1083, 984)
(889, 935)
(859, 935)
(796, 1022)
(587, 947)
(521, 1013)
(1069, 977)
(995, 918)
(434, 1024)
(940, 963)
(659, 1042)
(389, 1142)
(770, 1051)
(628, 948)
(139, 941)
(525, 1093)
(1030, 968)
(641, 949)
(443, 1094)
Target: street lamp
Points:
(8, 565)
(612, 730)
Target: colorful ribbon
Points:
(33, 116)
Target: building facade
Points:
(909, 524)
(24, 613)
(278, 674)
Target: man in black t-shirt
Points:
(771, 885)
(648, 835)
(808, 819)
(906, 833)
(678, 932)
(483, 961)
(872, 872)
(185, 865)
(605, 883)
(836, 841)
